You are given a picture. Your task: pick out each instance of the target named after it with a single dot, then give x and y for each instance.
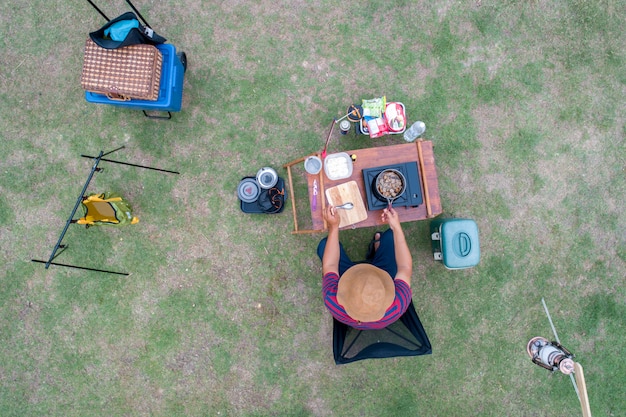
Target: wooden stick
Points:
(420, 157)
(322, 195)
(293, 197)
(582, 389)
(296, 161)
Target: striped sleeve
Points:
(399, 305)
(329, 291)
(394, 312)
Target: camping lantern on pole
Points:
(553, 356)
(550, 355)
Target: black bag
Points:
(135, 36)
(272, 200)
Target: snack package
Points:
(377, 127)
(374, 107)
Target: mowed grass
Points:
(222, 312)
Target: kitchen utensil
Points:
(313, 165)
(343, 193)
(355, 113)
(382, 180)
(266, 178)
(248, 190)
(346, 206)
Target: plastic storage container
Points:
(170, 90)
(338, 166)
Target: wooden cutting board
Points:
(344, 193)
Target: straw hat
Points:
(366, 292)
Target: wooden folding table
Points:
(420, 151)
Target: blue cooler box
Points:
(455, 242)
(170, 89)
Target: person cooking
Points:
(376, 292)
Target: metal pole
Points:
(78, 201)
(328, 138)
(133, 165)
(99, 11)
(114, 150)
(556, 337)
(81, 267)
(545, 307)
(138, 14)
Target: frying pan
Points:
(379, 179)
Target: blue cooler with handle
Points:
(455, 242)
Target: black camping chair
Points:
(404, 337)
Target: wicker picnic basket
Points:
(131, 72)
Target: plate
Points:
(248, 190)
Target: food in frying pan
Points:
(390, 184)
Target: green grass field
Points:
(222, 314)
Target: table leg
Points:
(323, 198)
(293, 199)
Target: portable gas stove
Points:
(412, 197)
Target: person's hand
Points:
(390, 216)
(331, 217)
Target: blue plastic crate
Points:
(170, 89)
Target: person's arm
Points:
(404, 260)
(330, 258)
